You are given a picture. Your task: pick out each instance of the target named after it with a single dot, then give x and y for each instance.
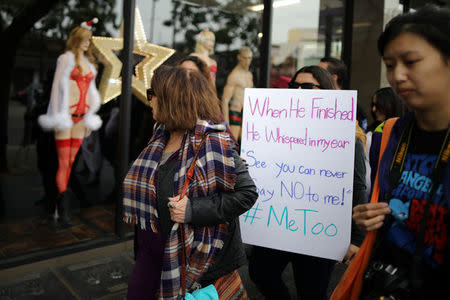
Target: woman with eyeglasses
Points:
(311, 274)
(312, 77)
(186, 109)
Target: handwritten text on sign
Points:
(299, 145)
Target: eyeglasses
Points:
(304, 85)
(150, 94)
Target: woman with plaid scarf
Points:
(186, 110)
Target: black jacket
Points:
(359, 189)
(226, 207)
(215, 209)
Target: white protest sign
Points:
(299, 145)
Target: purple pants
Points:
(146, 277)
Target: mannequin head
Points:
(79, 42)
(78, 39)
(205, 41)
(245, 57)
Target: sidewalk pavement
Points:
(101, 273)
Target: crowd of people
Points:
(188, 186)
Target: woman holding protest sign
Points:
(311, 273)
(410, 255)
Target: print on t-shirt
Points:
(407, 205)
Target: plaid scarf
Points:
(214, 172)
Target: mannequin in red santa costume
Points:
(71, 113)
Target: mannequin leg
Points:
(75, 145)
(63, 151)
(63, 204)
(76, 136)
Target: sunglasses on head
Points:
(304, 85)
(150, 94)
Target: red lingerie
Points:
(83, 82)
(213, 71)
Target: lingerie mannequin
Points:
(204, 48)
(71, 113)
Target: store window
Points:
(302, 33)
(43, 206)
(234, 24)
(29, 194)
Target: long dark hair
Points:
(389, 103)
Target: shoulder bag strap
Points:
(387, 129)
(350, 286)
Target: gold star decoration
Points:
(111, 82)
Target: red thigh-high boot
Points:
(75, 145)
(63, 154)
(64, 148)
(63, 151)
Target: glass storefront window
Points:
(302, 33)
(30, 204)
(29, 186)
(176, 24)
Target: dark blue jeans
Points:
(311, 274)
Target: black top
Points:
(359, 189)
(164, 190)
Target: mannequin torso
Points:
(233, 94)
(239, 79)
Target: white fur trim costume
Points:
(58, 116)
